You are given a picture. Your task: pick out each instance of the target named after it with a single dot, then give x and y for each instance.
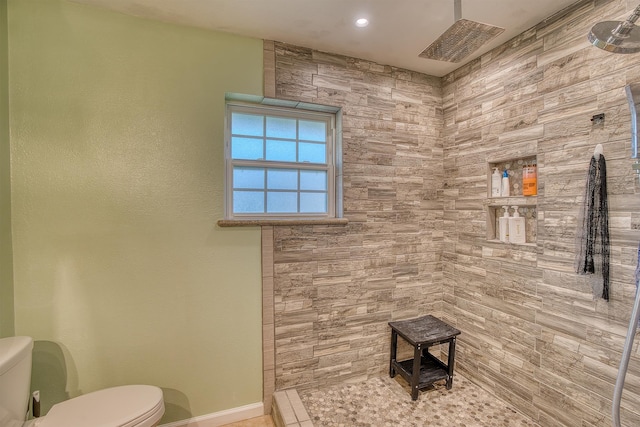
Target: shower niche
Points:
(527, 206)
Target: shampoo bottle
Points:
(516, 228)
(504, 225)
(496, 183)
(530, 180)
(505, 184)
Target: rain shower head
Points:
(461, 39)
(617, 36)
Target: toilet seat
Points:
(123, 406)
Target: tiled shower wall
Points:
(336, 287)
(416, 196)
(532, 331)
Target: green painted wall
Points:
(120, 272)
(6, 258)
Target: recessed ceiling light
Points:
(362, 22)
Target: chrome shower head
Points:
(633, 97)
(617, 36)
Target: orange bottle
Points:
(529, 180)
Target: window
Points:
(280, 162)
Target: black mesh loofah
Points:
(593, 229)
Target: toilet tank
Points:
(15, 378)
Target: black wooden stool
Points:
(424, 369)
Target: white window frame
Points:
(289, 109)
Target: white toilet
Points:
(124, 406)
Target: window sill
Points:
(272, 222)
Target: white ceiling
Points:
(398, 31)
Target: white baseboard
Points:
(221, 418)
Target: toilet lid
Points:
(124, 406)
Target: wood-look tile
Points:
(264, 421)
(416, 151)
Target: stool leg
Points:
(415, 377)
(452, 357)
(394, 349)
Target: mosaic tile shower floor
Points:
(384, 401)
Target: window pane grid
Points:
(292, 156)
(258, 179)
(245, 134)
(312, 151)
(273, 198)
